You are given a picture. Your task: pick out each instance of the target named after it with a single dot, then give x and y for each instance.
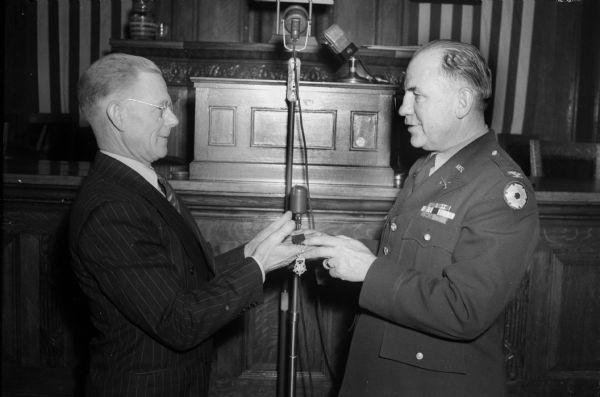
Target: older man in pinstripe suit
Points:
(157, 294)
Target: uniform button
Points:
(386, 250)
(419, 356)
(495, 152)
(393, 227)
(427, 236)
(226, 307)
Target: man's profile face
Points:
(429, 103)
(147, 128)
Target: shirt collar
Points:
(146, 172)
(442, 157)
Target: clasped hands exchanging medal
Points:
(344, 257)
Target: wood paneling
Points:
(241, 131)
(44, 326)
(553, 90)
(561, 354)
(588, 118)
(551, 333)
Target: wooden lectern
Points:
(241, 127)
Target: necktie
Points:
(423, 173)
(185, 213)
(169, 193)
(171, 196)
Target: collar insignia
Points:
(515, 174)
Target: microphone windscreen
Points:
(295, 21)
(298, 199)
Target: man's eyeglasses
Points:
(162, 108)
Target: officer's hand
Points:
(345, 258)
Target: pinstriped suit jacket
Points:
(157, 294)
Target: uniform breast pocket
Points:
(433, 244)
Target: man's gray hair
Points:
(107, 76)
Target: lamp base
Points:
(353, 76)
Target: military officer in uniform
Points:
(453, 251)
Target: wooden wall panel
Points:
(588, 118)
(45, 331)
(358, 21)
(551, 332)
(559, 351)
(553, 92)
(221, 21)
(185, 23)
(390, 19)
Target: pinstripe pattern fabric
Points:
(155, 299)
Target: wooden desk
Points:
(551, 337)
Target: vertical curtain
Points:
(70, 36)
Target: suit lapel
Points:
(206, 248)
(128, 179)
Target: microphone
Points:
(298, 200)
(295, 21)
(334, 38)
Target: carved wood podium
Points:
(241, 129)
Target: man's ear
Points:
(114, 112)
(465, 99)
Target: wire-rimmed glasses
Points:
(162, 108)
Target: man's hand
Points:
(345, 258)
(283, 220)
(267, 247)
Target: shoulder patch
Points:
(515, 195)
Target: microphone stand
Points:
(293, 324)
(289, 314)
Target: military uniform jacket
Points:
(452, 253)
(157, 293)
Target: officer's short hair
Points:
(462, 61)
